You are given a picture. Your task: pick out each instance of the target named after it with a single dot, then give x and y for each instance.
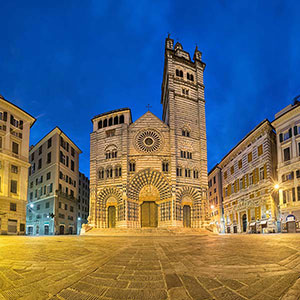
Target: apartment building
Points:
(15, 126)
(287, 125)
(83, 200)
(215, 199)
(53, 185)
(248, 177)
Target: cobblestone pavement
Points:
(173, 267)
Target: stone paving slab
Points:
(174, 267)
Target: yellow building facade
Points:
(15, 127)
(248, 176)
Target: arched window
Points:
(100, 124)
(118, 171)
(132, 166)
(165, 166)
(177, 72)
(105, 123)
(109, 172)
(179, 171)
(116, 120)
(181, 73)
(101, 173)
(110, 121)
(121, 119)
(196, 174)
(192, 77)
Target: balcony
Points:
(64, 195)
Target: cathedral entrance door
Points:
(149, 214)
(186, 216)
(111, 217)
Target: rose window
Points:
(148, 141)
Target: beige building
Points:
(287, 125)
(248, 176)
(215, 199)
(83, 200)
(53, 185)
(152, 172)
(15, 127)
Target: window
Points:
(121, 119)
(179, 73)
(260, 150)
(51, 188)
(13, 206)
(67, 161)
(298, 192)
(232, 169)
(298, 173)
(250, 178)
(109, 172)
(40, 163)
(250, 157)
(190, 76)
(72, 152)
(59, 204)
(196, 174)
(214, 179)
(38, 207)
(110, 133)
(165, 166)
(71, 208)
(40, 149)
(32, 156)
(31, 184)
(240, 164)
(100, 125)
(185, 92)
(49, 158)
(101, 173)
(66, 206)
(13, 186)
(72, 165)
(241, 183)
(48, 176)
(15, 148)
(286, 154)
(33, 168)
(49, 142)
(132, 167)
(62, 158)
(47, 205)
(178, 171)
(14, 169)
(187, 173)
(261, 173)
(225, 174)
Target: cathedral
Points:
(153, 172)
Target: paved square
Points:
(150, 267)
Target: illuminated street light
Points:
(79, 218)
(31, 205)
(212, 206)
(276, 186)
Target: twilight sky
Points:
(67, 61)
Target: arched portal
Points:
(186, 216)
(149, 189)
(111, 217)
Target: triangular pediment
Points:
(149, 120)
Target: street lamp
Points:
(31, 205)
(212, 206)
(276, 186)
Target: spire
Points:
(178, 46)
(197, 54)
(169, 43)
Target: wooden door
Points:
(111, 217)
(186, 216)
(149, 214)
(244, 218)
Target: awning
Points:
(252, 224)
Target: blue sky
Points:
(66, 61)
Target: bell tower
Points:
(184, 112)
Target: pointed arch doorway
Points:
(186, 216)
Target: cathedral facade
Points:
(153, 172)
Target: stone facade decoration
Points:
(15, 127)
(287, 125)
(53, 186)
(248, 176)
(152, 172)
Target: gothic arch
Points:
(106, 193)
(149, 177)
(188, 191)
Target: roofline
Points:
(111, 112)
(61, 132)
(293, 107)
(23, 111)
(252, 131)
(216, 166)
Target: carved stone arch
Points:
(111, 147)
(188, 192)
(149, 177)
(107, 193)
